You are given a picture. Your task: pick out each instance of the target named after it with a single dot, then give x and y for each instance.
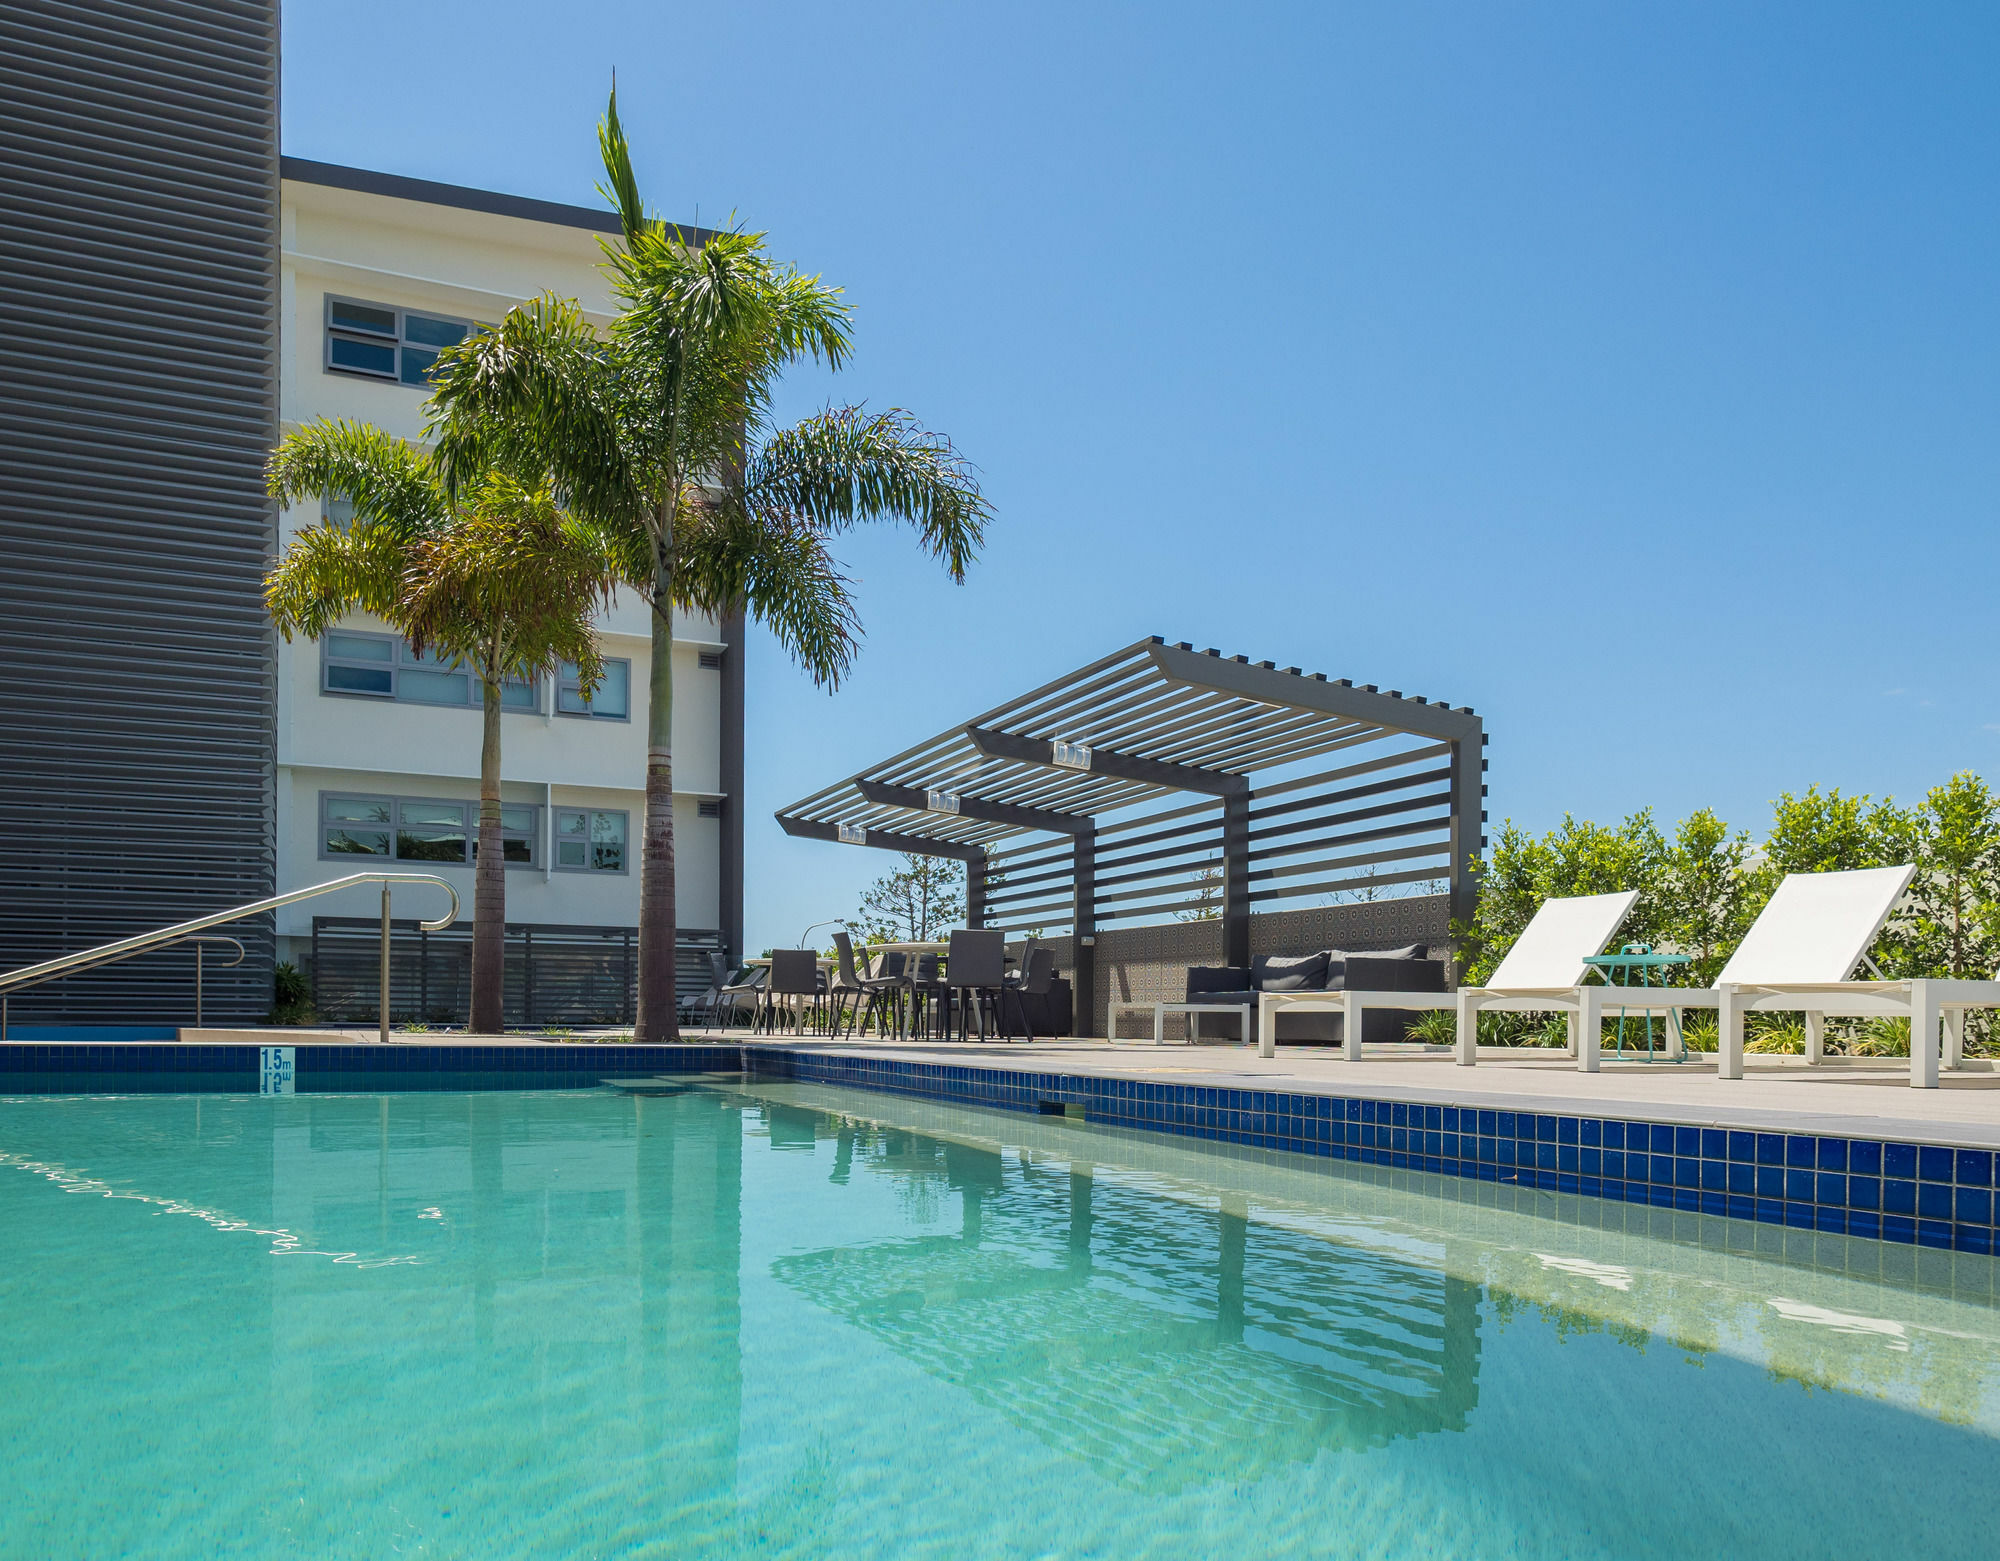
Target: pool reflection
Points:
(1161, 1343)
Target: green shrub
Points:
(1880, 1037)
(1786, 1036)
(1439, 1027)
(291, 996)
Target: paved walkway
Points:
(1873, 1101)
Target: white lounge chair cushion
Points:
(1549, 953)
(1816, 927)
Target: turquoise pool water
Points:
(792, 1320)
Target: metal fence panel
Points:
(555, 976)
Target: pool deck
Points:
(1840, 1099)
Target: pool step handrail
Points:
(124, 948)
(196, 938)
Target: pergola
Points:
(1162, 781)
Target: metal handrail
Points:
(108, 953)
(111, 959)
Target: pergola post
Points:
(1468, 820)
(1083, 996)
(975, 890)
(1236, 879)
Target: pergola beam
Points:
(916, 798)
(1103, 761)
(1223, 675)
(882, 839)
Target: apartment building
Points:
(178, 295)
(377, 747)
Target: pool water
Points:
(792, 1320)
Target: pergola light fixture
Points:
(936, 801)
(1070, 756)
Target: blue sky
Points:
(1627, 373)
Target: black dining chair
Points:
(1036, 978)
(975, 968)
(847, 992)
(727, 998)
(794, 974)
(886, 990)
(930, 1000)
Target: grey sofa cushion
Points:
(1289, 973)
(1371, 973)
(1336, 968)
(1204, 980)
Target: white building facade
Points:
(377, 749)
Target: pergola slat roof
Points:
(1153, 702)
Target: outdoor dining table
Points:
(869, 964)
(913, 948)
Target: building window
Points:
(611, 702)
(377, 341)
(416, 829)
(357, 826)
(590, 840)
(381, 666)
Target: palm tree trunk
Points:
(489, 881)
(658, 1020)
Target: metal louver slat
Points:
(138, 398)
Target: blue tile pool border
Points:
(1889, 1190)
(29, 1068)
(1921, 1194)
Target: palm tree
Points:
(660, 434)
(497, 579)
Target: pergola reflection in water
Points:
(1163, 1344)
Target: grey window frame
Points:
(330, 332)
(388, 828)
(395, 665)
(556, 693)
(556, 810)
(468, 812)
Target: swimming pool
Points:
(790, 1319)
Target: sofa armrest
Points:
(1394, 975)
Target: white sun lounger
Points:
(1796, 958)
(1544, 970)
(1800, 952)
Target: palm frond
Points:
(781, 572)
(537, 396)
(623, 190)
(511, 585)
(809, 318)
(845, 466)
(388, 480)
(326, 573)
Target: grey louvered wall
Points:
(138, 396)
